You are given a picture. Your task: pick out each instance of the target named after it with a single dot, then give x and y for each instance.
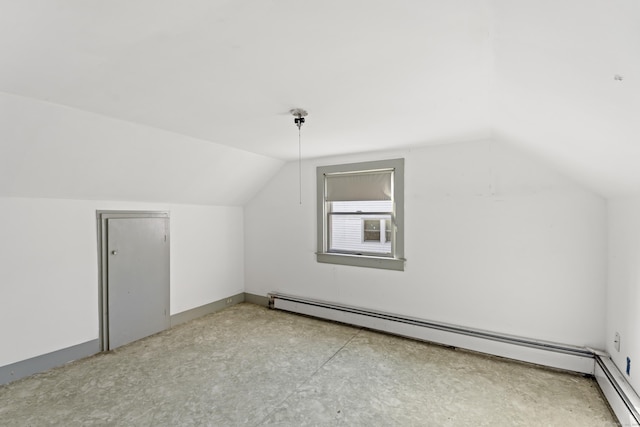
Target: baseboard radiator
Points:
(623, 400)
(621, 396)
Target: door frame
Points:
(103, 279)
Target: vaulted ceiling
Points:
(560, 79)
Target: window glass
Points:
(360, 227)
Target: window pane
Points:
(387, 230)
(372, 230)
(348, 234)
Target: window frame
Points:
(394, 262)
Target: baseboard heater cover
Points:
(622, 399)
(554, 355)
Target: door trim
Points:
(103, 281)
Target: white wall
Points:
(58, 165)
(494, 240)
(49, 267)
(623, 292)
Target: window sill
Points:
(362, 261)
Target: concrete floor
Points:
(248, 365)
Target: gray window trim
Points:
(397, 261)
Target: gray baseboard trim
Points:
(203, 310)
(256, 299)
(44, 362)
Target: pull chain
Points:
(300, 163)
(299, 115)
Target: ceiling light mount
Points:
(299, 115)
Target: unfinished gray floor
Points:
(248, 365)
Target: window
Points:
(378, 230)
(361, 214)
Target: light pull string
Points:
(299, 115)
(300, 162)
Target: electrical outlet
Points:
(616, 342)
(229, 300)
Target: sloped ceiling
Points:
(561, 79)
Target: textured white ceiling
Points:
(373, 75)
